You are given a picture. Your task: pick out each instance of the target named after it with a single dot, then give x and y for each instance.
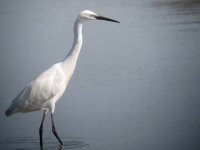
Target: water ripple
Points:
(31, 143)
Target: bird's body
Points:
(43, 92)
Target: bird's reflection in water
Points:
(67, 145)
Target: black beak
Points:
(107, 19)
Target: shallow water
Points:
(136, 85)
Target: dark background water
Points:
(136, 85)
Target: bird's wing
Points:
(43, 88)
(47, 85)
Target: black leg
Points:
(41, 130)
(54, 130)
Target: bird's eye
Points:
(91, 15)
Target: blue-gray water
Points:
(136, 85)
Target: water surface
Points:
(136, 85)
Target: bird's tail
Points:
(10, 110)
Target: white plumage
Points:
(43, 92)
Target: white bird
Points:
(43, 92)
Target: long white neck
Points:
(71, 58)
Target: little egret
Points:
(43, 92)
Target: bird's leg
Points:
(41, 130)
(54, 130)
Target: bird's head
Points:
(89, 15)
